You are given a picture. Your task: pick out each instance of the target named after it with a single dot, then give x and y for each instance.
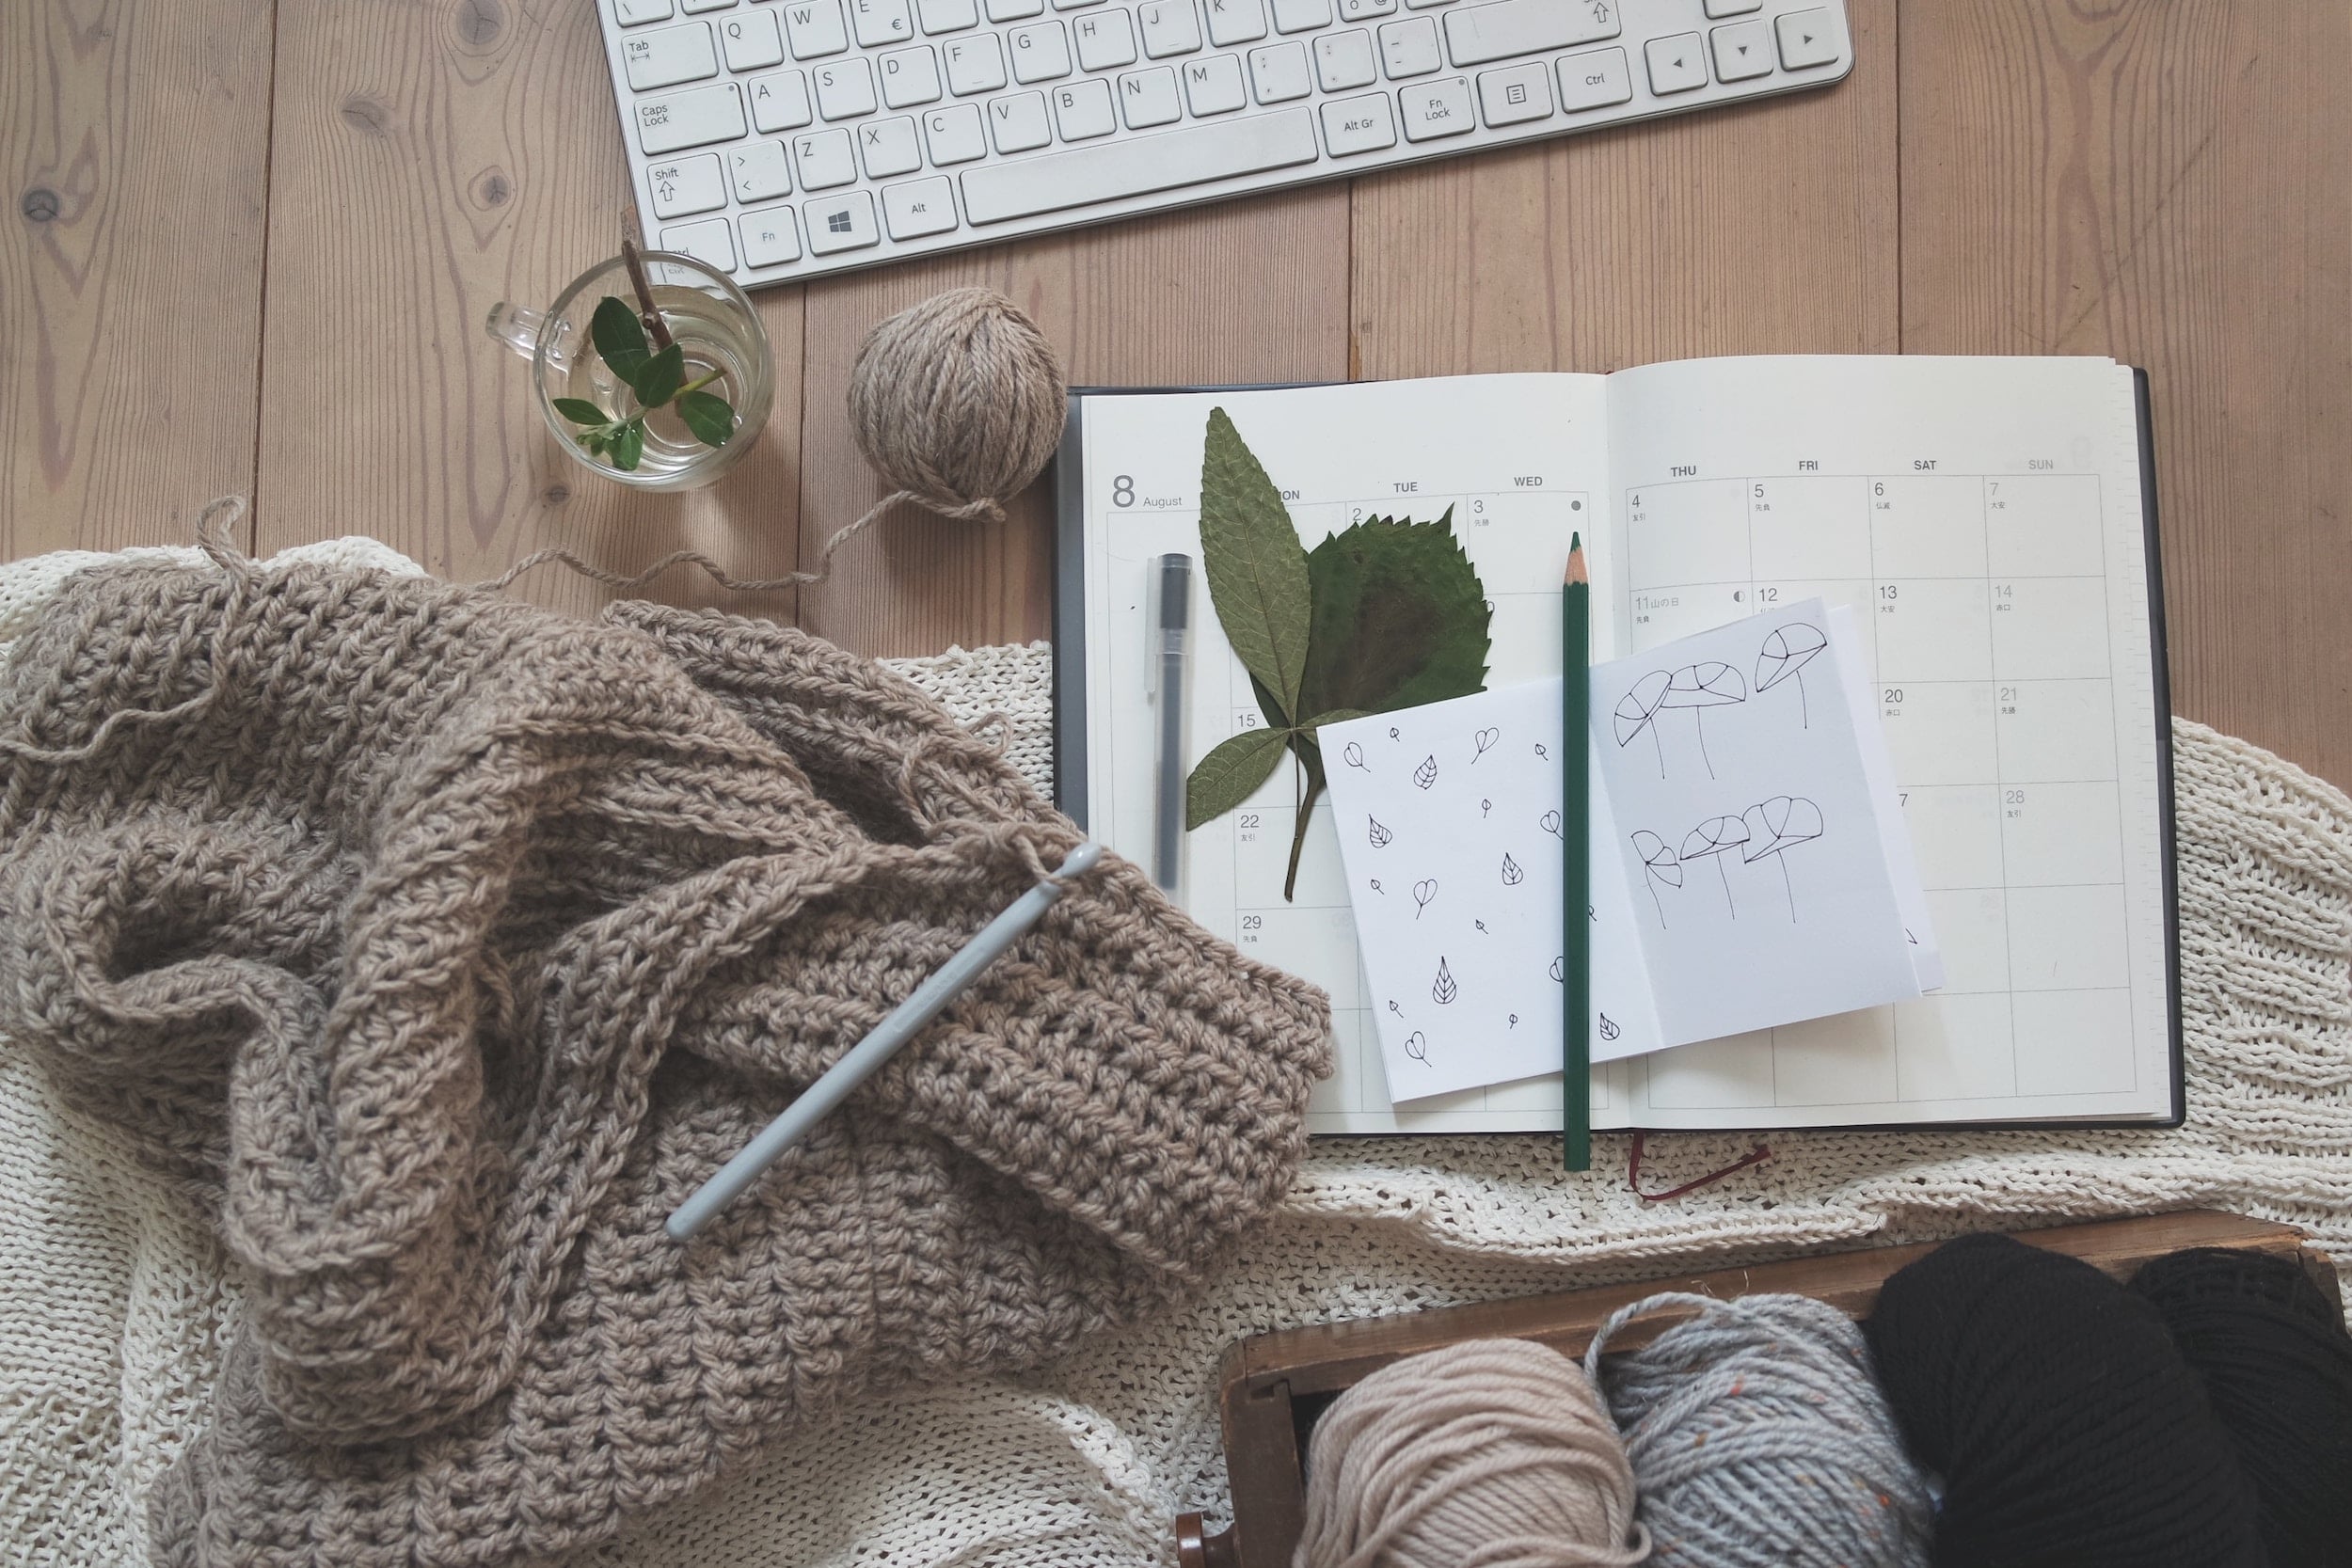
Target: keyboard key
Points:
(1676, 63)
(686, 186)
(838, 223)
(919, 207)
(692, 6)
(974, 64)
(1343, 60)
(1278, 72)
(888, 147)
(910, 77)
(636, 13)
(814, 28)
(1807, 39)
(1014, 10)
(1515, 93)
(1233, 21)
(1016, 123)
(695, 118)
(1434, 109)
(825, 158)
(1594, 80)
(1364, 10)
(946, 16)
(669, 55)
(711, 243)
(1169, 27)
(779, 101)
(1301, 16)
(1409, 48)
(760, 170)
(1718, 9)
(1041, 53)
(1148, 97)
(845, 88)
(879, 24)
(1742, 50)
(1509, 27)
(1082, 110)
(1074, 5)
(1364, 124)
(1213, 87)
(1424, 5)
(753, 41)
(770, 238)
(953, 134)
(1138, 165)
(1106, 38)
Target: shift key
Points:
(695, 118)
(1513, 27)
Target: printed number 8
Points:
(1123, 491)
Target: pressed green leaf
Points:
(619, 337)
(579, 410)
(708, 416)
(1257, 568)
(659, 378)
(1230, 773)
(1400, 619)
(628, 445)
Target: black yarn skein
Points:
(2068, 1431)
(2277, 1367)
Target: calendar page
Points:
(1520, 459)
(1984, 518)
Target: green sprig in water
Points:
(656, 378)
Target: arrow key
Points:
(1742, 50)
(1677, 63)
(1809, 38)
(686, 185)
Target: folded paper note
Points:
(1749, 863)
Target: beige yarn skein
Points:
(1492, 1453)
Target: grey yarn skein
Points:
(1759, 1439)
(1490, 1453)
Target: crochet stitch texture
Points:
(440, 946)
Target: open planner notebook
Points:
(1991, 523)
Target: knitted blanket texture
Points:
(438, 947)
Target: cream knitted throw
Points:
(113, 1306)
(439, 945)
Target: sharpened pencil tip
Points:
(1576, 560)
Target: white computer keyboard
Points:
(781, 139)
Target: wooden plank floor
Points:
(250, 249)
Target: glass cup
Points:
(711, 320)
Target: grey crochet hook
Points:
(905, 1022)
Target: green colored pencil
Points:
(1576, 1060)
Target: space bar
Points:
(1090, 174)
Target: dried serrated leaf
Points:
(1399, 618)
(1257, 569)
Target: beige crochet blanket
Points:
(112, 1305)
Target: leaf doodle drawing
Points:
(1512, 874)
(1486, 809)
(1417, 1046)
(1380, 836)
(1422, 893)
(1609, 1031)
(1696, 686)
(1354, 755)
(1658, 864)
(1786, 654)
(1484, 740)
(1515, 1021)
(1378, 888)
(1393, 732)
(1549, 822)
(1776, 826)
(1426, 774)
(1541, 753)
(1558, 970)
(1712, 837)
(1443, 990)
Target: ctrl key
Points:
(838, 223)
(770, 238)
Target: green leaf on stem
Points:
(1257, 569)
(708, 416)
(628, 445)
(1400, 619)
(579, 410)
(620, 337)
(1230, 773)
(659, 378)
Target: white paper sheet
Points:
(1449, 826)
(1747, 831)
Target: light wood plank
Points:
(1253, 291)
(1764, 229)
(431, 160)
(136, 140)
(2166, 183)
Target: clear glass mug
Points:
(710, 318)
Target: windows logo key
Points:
(837, 221)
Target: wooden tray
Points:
(1272, 1386)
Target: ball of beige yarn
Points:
(1492, 1452)
(958, 402)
